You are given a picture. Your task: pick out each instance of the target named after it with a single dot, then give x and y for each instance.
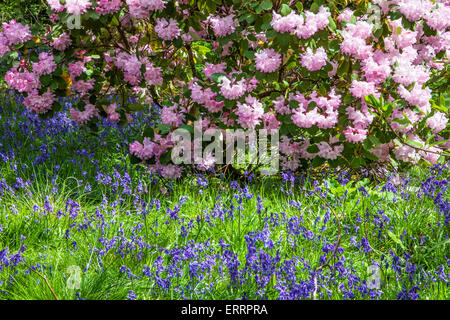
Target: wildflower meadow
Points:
(224, 150)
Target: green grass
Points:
(131, 221)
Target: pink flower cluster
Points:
(108, 6)
(359, 89)
(354, 40)
(83, 117)
(149, 149)
(77, 6)
(130, 65)
(210, 69)
(167, 30)
(153, 75)
(112, 113)
(22, 81)
(314, 61)
(15, 33)
(173, 116)
(355, 135)
(39, 103)
(267, 60)
(232, 90)
(46, 64)
(297, 25)
(223, 26)
(249, 113)
(205, 97)
(62, 42)
(437, 122)
(141, 9)
(324, 114)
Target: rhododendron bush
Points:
(350, 85)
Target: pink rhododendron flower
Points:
(414, 9)
(39, 103)
(270, 121)
(55, 5)
(314, 61)
(172, 116)
(250, 112)
(381, 151)
(355, 135)
(406, 73)
(131, 67)
(210, 68)
(167, 30)
(83, 86)
(398, 114)
(113, 115)
(267, 60)
(22, 81)
(62, 42)
(4, 45)
(375, 72)
(77, 6)
(329, 152)
(76, 69)
(437, 122)
(406, 153)
(288, 23)
(82, 117)
(108, 6)
(359, 89)
(232, 91)
(280, 105)
(153, 75)
(417, 97)
(438, 19)
(16, 33)
(360, 118)
(223, 26)
(46, 64)
(345, 15)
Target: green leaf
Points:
(343, 68)
(358, 162)
(149, 133)
(285, 10)
(265, 5)
(166, 158)
(313, 149)
(136, 107)
(332, 24)
(395, 239)
(217, 76)
(163, 128)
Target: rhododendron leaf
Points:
(313, 149)
(216, 77)
(136, 107)
(285, 9)
(163, 128)
(187, 127)
(358, 162)
(149, 133)
(318, 161)
(265, 5)
(343, 68)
